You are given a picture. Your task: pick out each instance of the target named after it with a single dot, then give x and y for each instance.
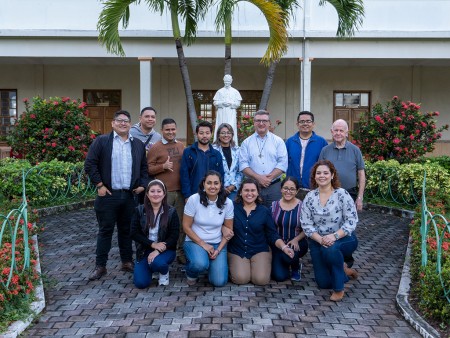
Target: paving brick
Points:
(112, 307)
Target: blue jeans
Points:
(328, 263)
(198, 261)
(113, 209)
(282, 262)
(143, 271)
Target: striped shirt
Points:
(121, 161)
(287, 221)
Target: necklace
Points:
(305, 139)
(262, 147)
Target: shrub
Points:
(44, 182)
(57, 128)
(397, 130)
(427, 287)
(403, 182)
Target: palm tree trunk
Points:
(183, 66)
(268, 85)
(228, 39)
(187, 84)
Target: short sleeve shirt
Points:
(208, 220)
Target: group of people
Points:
(226, 210)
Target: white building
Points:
(50, 48)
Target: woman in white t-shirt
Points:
(208, 224)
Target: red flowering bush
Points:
(18, 276)
(397, 130)
(57, 128)
(429, 290)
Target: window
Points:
(203, 100)
(349, 105)
(8, 110)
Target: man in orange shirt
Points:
(164, 160)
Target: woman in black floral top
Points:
(329, 219)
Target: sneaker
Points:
(163, 279)
(191, 281)
(295, 276)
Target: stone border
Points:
(403, 306)
(17, 327)
(401, 299)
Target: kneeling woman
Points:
(249, 255)
(207, 215)
(329, 220)
(286, 215)
(154, 228)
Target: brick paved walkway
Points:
(112, 307)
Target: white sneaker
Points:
(163, 279)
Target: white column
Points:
(305, 78)
(145, 81)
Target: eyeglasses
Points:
(225, 133)
(261, 121)
(125, 121)
(305, 121)
(286, 189)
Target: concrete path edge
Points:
(403, 306)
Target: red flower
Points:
(32, 116)
(77, 127)
(82, 105)
(53, 144)
(92, 136)
(401, 127)
(411, 137)
(417, 131)
(71, 148)
(396, 140)
(65, 99)
(55, 103)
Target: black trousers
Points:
(113, 209)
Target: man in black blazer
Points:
(117, 165)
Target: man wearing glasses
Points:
(263, 156)
(117, 165)
(304, 149)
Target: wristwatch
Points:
(336, 235)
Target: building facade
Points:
(50, 48)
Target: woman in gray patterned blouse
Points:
(329, 219)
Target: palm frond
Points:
(187, 9)
(224, 14)
(277, 19)
(114, 11)
(350, 15)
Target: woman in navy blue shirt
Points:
(249, 255)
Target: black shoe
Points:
(127, 266)
(349, 260)
(98, 273)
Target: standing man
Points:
(263, 157)
(348, 160)
(198, 159)
(144, 130)
(164, 162)
(117, 165)
(304, 149)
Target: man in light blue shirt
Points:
(263, 157)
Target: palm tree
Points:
(115, 11)
(275, 17)
(350, 14)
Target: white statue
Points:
(226, 100)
